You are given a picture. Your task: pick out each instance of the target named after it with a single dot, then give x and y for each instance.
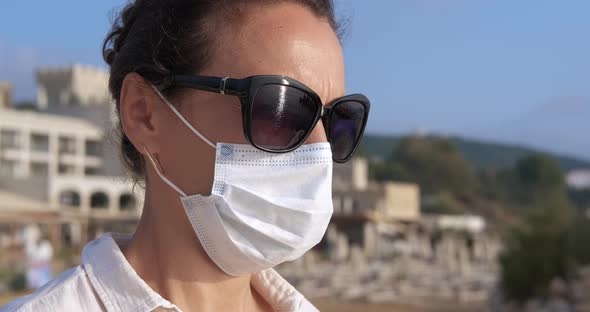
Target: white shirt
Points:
(106, 282)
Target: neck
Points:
(166, 253)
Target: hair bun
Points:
(109, 56)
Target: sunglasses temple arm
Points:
(237, 87)
(223, 85)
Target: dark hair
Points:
(159, 38)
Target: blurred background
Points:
(470, 192)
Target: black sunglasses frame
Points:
(245, 89)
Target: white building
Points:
(52, 172)
(64, 154)
(59, 166)
(44, 145)
(96, 197)
(77, 85)
(355, 195)
(579, 179)
(81, 92)
(469, 223)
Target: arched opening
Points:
(127, 202)
(99, 200)
(69, 198)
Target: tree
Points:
(544, 246)
(581, 198)
(433, 163)
(537, 175)
(579, 240)
(533, 256)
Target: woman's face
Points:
(283, 39)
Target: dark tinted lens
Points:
(281, 117)
(345, 128)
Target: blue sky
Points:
(477, 68)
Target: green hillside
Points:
(481, 154)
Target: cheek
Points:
(187, 160)
(180, 146)
(226, 125)
(218, 118)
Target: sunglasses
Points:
(279, 113)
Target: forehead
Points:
(283, 39)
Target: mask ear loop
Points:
(159, 171)
(179, 115)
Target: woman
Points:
(251, 158)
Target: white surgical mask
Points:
(264, 208)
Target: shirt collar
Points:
(121, 289)
(116, 282)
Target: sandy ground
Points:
(332, 305)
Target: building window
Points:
(337, 204)
(69, 198)
(356, 207)
(99, 200)
(66, 169)
(91, 171)
(8, 168)
(93, 148)
(40, 142)
(67, 145)
(347, 203)
(39, 169)
(9, 139)
(127, 202)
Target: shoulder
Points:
(70, 291)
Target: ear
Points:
(138, 108)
